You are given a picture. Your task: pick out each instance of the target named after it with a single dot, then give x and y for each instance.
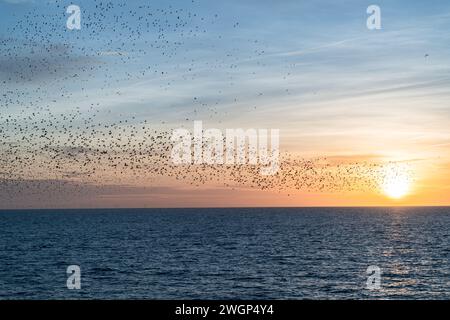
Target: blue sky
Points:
(280, 51)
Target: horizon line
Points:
(249, 207)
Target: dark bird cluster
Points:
(52, 153)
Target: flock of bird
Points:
(79, 154)
(49, 153)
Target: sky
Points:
(337, 91)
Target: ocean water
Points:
(273, 253)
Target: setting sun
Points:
(396, 185)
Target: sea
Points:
(235, 253)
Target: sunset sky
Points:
(312, 69)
